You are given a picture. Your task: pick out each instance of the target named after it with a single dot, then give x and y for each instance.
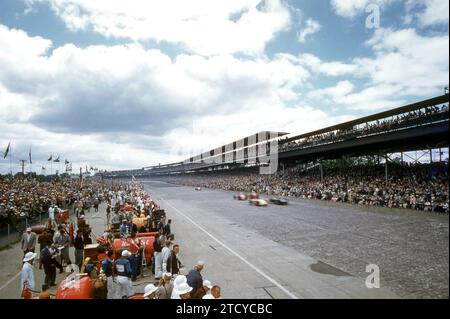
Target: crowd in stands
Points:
(394, 122)
(26, 197)
(414, 186)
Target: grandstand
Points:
(419, 126)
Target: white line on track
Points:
(287, 292)
(10, 281)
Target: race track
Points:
(308, 249)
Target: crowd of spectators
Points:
(394, 122)
(129, 212)
(414, 186)
(28, 197)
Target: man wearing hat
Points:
(166, 287)
(178, 281)
(28, 241)
(184, 291)
(27, 275)
(123, 271)
(150, 291)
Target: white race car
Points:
(258, 202)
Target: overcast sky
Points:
(126, 84)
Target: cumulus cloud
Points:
(405, 65)
(427, 12)
(311, 27)
(205, 27)
(127, 103)
(418, 63)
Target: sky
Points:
(127, 84)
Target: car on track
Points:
(253, 195)
(240, 196)
(198, 188)
(278, 201)
(258, 202)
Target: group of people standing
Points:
(123, 205)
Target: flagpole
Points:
(10, 160)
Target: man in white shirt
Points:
(51, 212)
(27, 275)
(165, 254)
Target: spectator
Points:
(150, 291)
(215, 293)
(205, 289)
(27, 274)
(157, 257)
(173, 264)
(165, 288)
(62, 240)
(194, 277)
(123, 271)
(28, 242)
(79, 248)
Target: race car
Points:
(240, 196)
(258, 202)
(253, 195)
(198, 188)
(278, 201)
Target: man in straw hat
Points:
(27, 274)
(184, 291)
(150, 291)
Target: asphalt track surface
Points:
(410, 248)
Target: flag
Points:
(7, 149)
(91, 168)
(56, 160)
(29, 155)
(43, 168)
(86, 169)
(67, 162)
(50, 158)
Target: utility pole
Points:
(386, 167)
(23, 166)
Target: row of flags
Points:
(50, 159)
